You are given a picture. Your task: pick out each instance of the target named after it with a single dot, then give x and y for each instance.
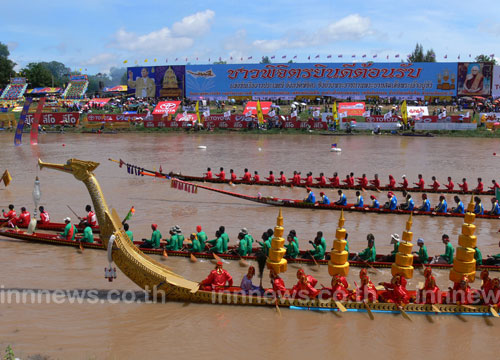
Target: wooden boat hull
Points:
(56, 240)
(52, 226)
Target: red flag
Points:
(160, 169)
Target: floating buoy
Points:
(494, 154)
(203, 147)
(63, 144)
(260, 149)
(336, 149)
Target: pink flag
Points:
(492, 55)
(309, 57)
(249, 58)
(272, 57)
(374, 56)
(176, 59)
(329, 56)
(446, 56)
(458, 57)
(340, 55)
(317, 56)
(295, 57)
(364, 55)
(353, 56)
(397, 55)
(283, 57)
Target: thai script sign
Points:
(55, 118)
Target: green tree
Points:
(220, 62)
(418, 55)
(59, 72)
(265, 60)
(430, 56)
(38, 75)
(6, 66)
(486, 59)
(290, 61)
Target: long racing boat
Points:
(50, 226)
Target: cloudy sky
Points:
(99, 34)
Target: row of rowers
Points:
(392, 203)
(394, 291)
(349, 181)
(199, 242)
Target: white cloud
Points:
(490, 26)
(194, 25)
(351, 27)
(164, 40)
(100, 59)
(271, 45)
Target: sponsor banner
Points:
(166, 107)
(357, 80)
(55, 118)
(99, 102)
(489, 117)
(156, 81)
(381, 125)
(474, 78)
(382, 119)
(78, 78)
(352, 108)
(417, 111)
(446, 119)
(186, 117)
(18, 80)
(495, 86)
(252, 107)
(445, 126)
(114, 117)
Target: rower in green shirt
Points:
(195, 244)
(368, 254)
(492, 259)
(243, 245)
(422, 257)
(88, 236)
(69, 231)
(225, 238)
(319, 246)
(392, 256)
(447, 257)
(173, 243)
(295, 238)
(154, 242)
(266, 241)
(292, 250)
(249, 240)
(478, 256)
(218, 244)
(180, 237)
(128, 232)
(202, 237)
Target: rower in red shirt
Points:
(304, 288)
(421, 183)
(404, 184)
(464, 186)
(396, 290)
(221, 175)
(392, 182)
(247, 176)
(217, 279)
(347, 180)
(435, 184)
(277, 283)
(340, 288)
(480, 187)
(296, 178)
(430, 293)
(367, 291)
(461, 293)
(321, 180)
(256, 177)
(450, 184)
(208, 174)
(351, 179)
(308, 180)
(335, 181)
(495, 185)
(271, 177)
(44, 215)
(363, 181)
(233, 175)
(10, 216)
(375, 182)
(24, 218)
(282, 178)
(90, 218)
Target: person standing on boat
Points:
(221, 175)
(392, 204)
(342, 199)
(154, 242)
(195, 244)
(173, 243)
(246, 176)
(421, 256)
(128, 232)
(248, 239)
(480, 186)
(319, 245)
(478, 209)
(321, 180)
(447, 257)
(88, 236)
(359, 200)
(421, 183)
(430, 293)
(69, 230)
(292, 248)
(464, 186)
(246, 283)
(495, 208)
(362, 181)
(392, 183)
(335, 180)
(202, 237)
(10, 216)
(90, 218)
(426, 204)
(442, 207)
(44, 215)
(282, 178)
(217, 244)
(323, 199)
(375, 203)
(375, 182)
(208, 175)
(369, 254)
(23, 220)
(217, 279)
(256, 176)
(271, 177)
(367, 291)
(310, 199)
(404, 184)
(233, 175)
(450, 184)
(242, 245)
(435, 184)
(460, 206)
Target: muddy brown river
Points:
(106, 325)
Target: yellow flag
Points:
(125, 61)
(145, 60)
(154, 60)
(136, 62)
(260, 116)
(335, 114)
(404, 113)
(197, 109)
(6, 178)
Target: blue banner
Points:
(353, 80)
(20, 125)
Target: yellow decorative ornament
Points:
(404, 259)
(338, 264)
(277, 251)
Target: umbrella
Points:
(479, 97)
(466, 98)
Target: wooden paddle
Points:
(81, 246)
(340, 306)
(192, 258)
(316, 268)
(403, 312)
(368, 310)
(164, 255)
(277, 307)
(494, 312)
(216, 257)
(367, 263)
(73, 212)
(242, 262)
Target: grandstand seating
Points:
(14, 91)
(75, 90)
